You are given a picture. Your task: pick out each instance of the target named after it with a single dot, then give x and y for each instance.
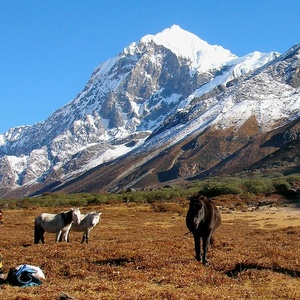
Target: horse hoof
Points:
(198, 258)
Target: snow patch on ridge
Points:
(235, 69)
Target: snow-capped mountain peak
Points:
(138, 93)
(202, 55)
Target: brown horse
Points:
(202, 219)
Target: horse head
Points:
(76, 215)
(196, 209)
(95, 218)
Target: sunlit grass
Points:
(142, 251)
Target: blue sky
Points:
(49, 48)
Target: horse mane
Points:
(67, 216)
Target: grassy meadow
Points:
(141, 250)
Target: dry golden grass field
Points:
(143, 252)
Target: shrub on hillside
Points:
(293, 178)
(212, 189)
(281, 185)
(259, 186)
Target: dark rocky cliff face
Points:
(148, 84)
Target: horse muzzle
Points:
(196, 222)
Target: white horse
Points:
(55, 223)
(87, 223)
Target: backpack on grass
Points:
(22, 277)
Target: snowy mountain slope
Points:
(228, 132)
(231, 71)
(272, 99)
(127, 98)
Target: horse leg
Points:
(64, 236)
(58, 235)
(65, 233)
(42, 231)
(197, 246)
(87, 236)
(37, 235)
(83, 238)
(60, 238)
(206, 242)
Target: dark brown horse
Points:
(202, 219)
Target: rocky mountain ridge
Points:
(148, 100)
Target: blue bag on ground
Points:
(22, 277)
